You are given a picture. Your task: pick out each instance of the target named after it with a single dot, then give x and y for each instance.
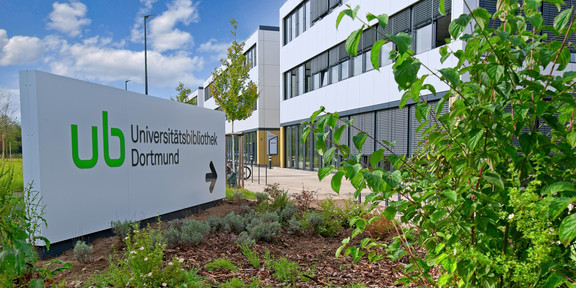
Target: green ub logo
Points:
(89, 163)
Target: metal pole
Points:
(266, 176)
(126, 84)
(146, 56)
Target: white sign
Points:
(99, 154)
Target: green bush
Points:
(142, 263)
(261, 197)
(250, 255)
(193, 232)
(487, 198)
(235, 222)
(264, 230)
(221, 264)
(287, 213)
(244, 239)
(217, 224)
(122, 228)
(294, 226)
(172, 234)
(82, 252)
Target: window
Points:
(208, 91)
(385, 54)
(442, 30)
(251, 56)
(424, 39)
(294, 82)
(368, 62)
(307, 77)
(357, 65)
(316, 80)
(344, 69)
(194, 101)
(334, 77)
(301, 76)
(304, 16)
(287, 85)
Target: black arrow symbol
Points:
(211, 177)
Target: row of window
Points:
(391, 125)
(251, 56)
(430, 29)
(304, 16)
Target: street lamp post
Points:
(126, 84)
(146, 56)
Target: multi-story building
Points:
(317, 70)
(262, 51)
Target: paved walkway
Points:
(293, 180)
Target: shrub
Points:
(264, 230)
(82, 252)
(172, 234)
(279, 196)
(244, 239)
(285, 271)
(237, 194)
(193, 232)
(304, 199)
(235, 222)
(313, 220)
(294, 226)
(287, 213)
(250, 255)
(217, 224)
(142, 263)
(379, 228)
(221, 264)
(122, 228)
(261, 197)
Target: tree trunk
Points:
(233, 151)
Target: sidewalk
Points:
(293, 180)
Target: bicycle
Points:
(247, 171)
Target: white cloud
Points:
(213, 46)
(68, 18)
(95, 60)
(19, 50)
(163, 33)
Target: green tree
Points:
(489, 194)
(183, 94)
(232, 89)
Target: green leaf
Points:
(444, 280)
(402, 40)
(406, 73)
(458, 25)
(37, 283)
(439, 214)
(315, 114)
(473, 138)
(571, 138)
(325, 171)
(557, 205)
(353, 40)
(450, 194)
(305, 134)
(327, 157)
(375, 54)
(383, 20)
(376, 157)
(337, 181)
(393, 179)
(390, 212)
(567, 231)
(495, 179)
(555, 280)
(350, 12)
(495, 72)
(452, 76)
(482, 17)
(441, 7)
(359, 140)
(562, 19)
(558, 187)
(338, 133)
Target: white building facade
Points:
(262, 50)
(317, 71)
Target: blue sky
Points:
(102, 41)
